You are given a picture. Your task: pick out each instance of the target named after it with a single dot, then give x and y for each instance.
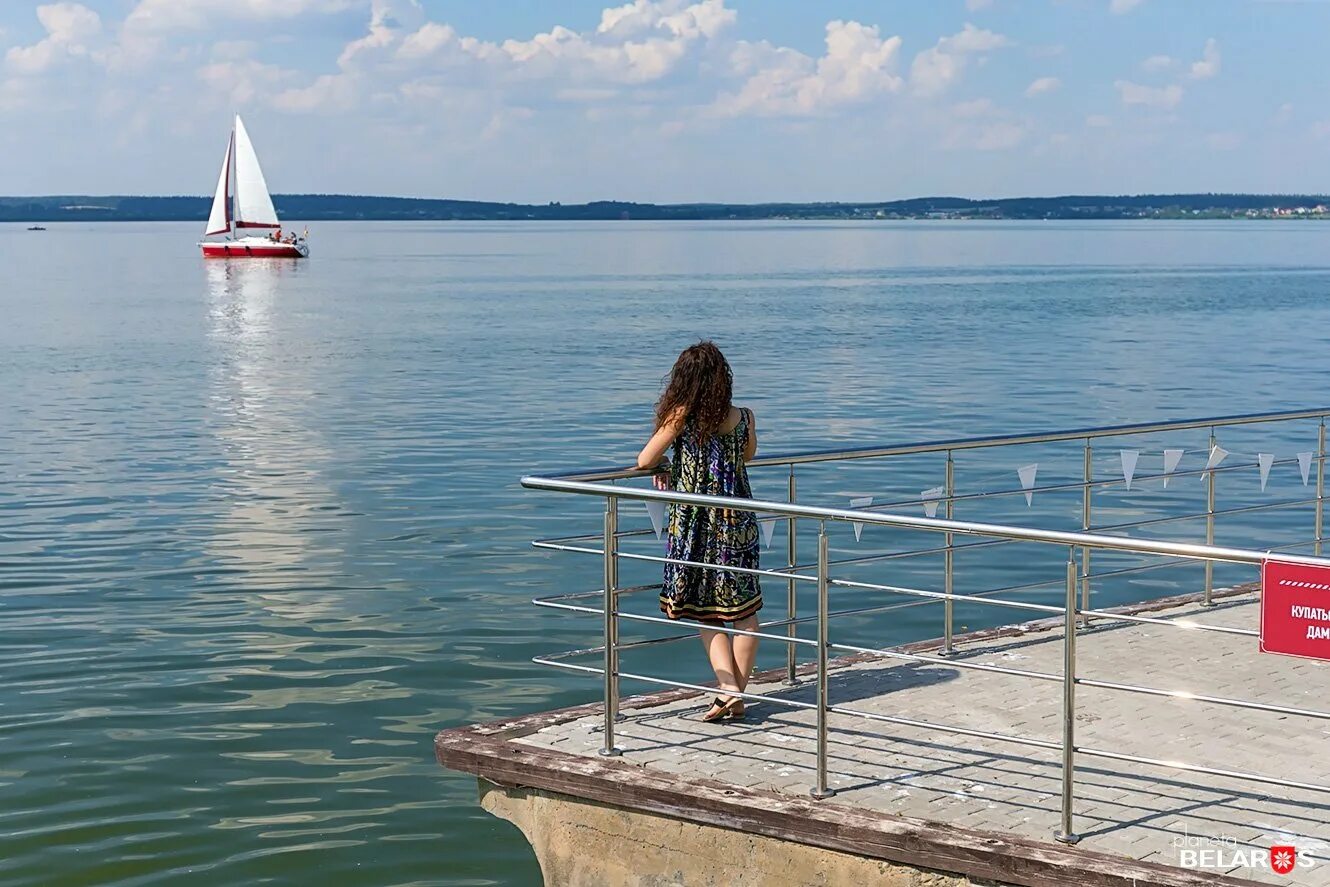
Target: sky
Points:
(669, 100)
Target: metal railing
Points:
(1074, 610)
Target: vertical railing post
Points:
(821, 790)
(791, 588)
(1085, 525)
(1320, 485)
(1209, 522)
(949, 566)
(611, 623)
(1065, 834)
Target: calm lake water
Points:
(260, 528)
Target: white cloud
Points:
(1208, 66)
(1165, 97)
(1159, 63)
(241, 81)
(1098, 121)
(150, 27)
(1042, 85)
(976, 5)
(404, 55)
(1122, 7)
(174, 15)
(935, 70)
(858, 65)
(701, 20)
(71, 29)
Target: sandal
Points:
(724, 709)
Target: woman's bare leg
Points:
(721, 654)
(744, 651)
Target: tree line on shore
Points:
(333, 207)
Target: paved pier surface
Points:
(973, 786)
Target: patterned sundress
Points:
(711, 466)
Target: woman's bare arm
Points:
(750, 446)
(660, 442)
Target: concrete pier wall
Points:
(587, 844)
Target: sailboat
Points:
(243, 222)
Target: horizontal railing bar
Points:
(575, 549)
(949, 663)
(920, 552)
(651, 558)
(1176, 623)
(553, 663)
(571, 608)
(661, 620)
(972, 443)
(634, 617)
(914, 552)
(1012, 491)
(1196, 768)
(651, 642)
(969, 528)
(1172, 518)
(681, 685)
(943, 596)
(725, 568)
(1080, 485)
(1143, 568)
(569, 654)
(1197, 697)
(1069, 485)
(596, 593)
(1180, 562)
(589, 537)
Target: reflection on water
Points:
(276, 501)
(260, 533)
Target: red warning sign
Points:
(1295, 610)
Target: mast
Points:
(230, 178)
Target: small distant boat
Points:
(36, 228)
(243, 222)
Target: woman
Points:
(713, 440)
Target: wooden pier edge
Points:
(486, 751)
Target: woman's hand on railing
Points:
(661, 479)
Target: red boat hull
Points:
(255, 251)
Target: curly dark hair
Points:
(700, 385)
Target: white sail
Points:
(254, 207)
(219, 220)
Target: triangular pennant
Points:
(1027, 474)
(656, 511)
(768, 530)
(1265, 460)
(931, 496)
(1305, 466)
(1217, 454)
(861, 502)
(1171, 460)
(1129, 458)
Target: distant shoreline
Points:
(338, 207)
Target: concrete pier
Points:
(696, 803)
